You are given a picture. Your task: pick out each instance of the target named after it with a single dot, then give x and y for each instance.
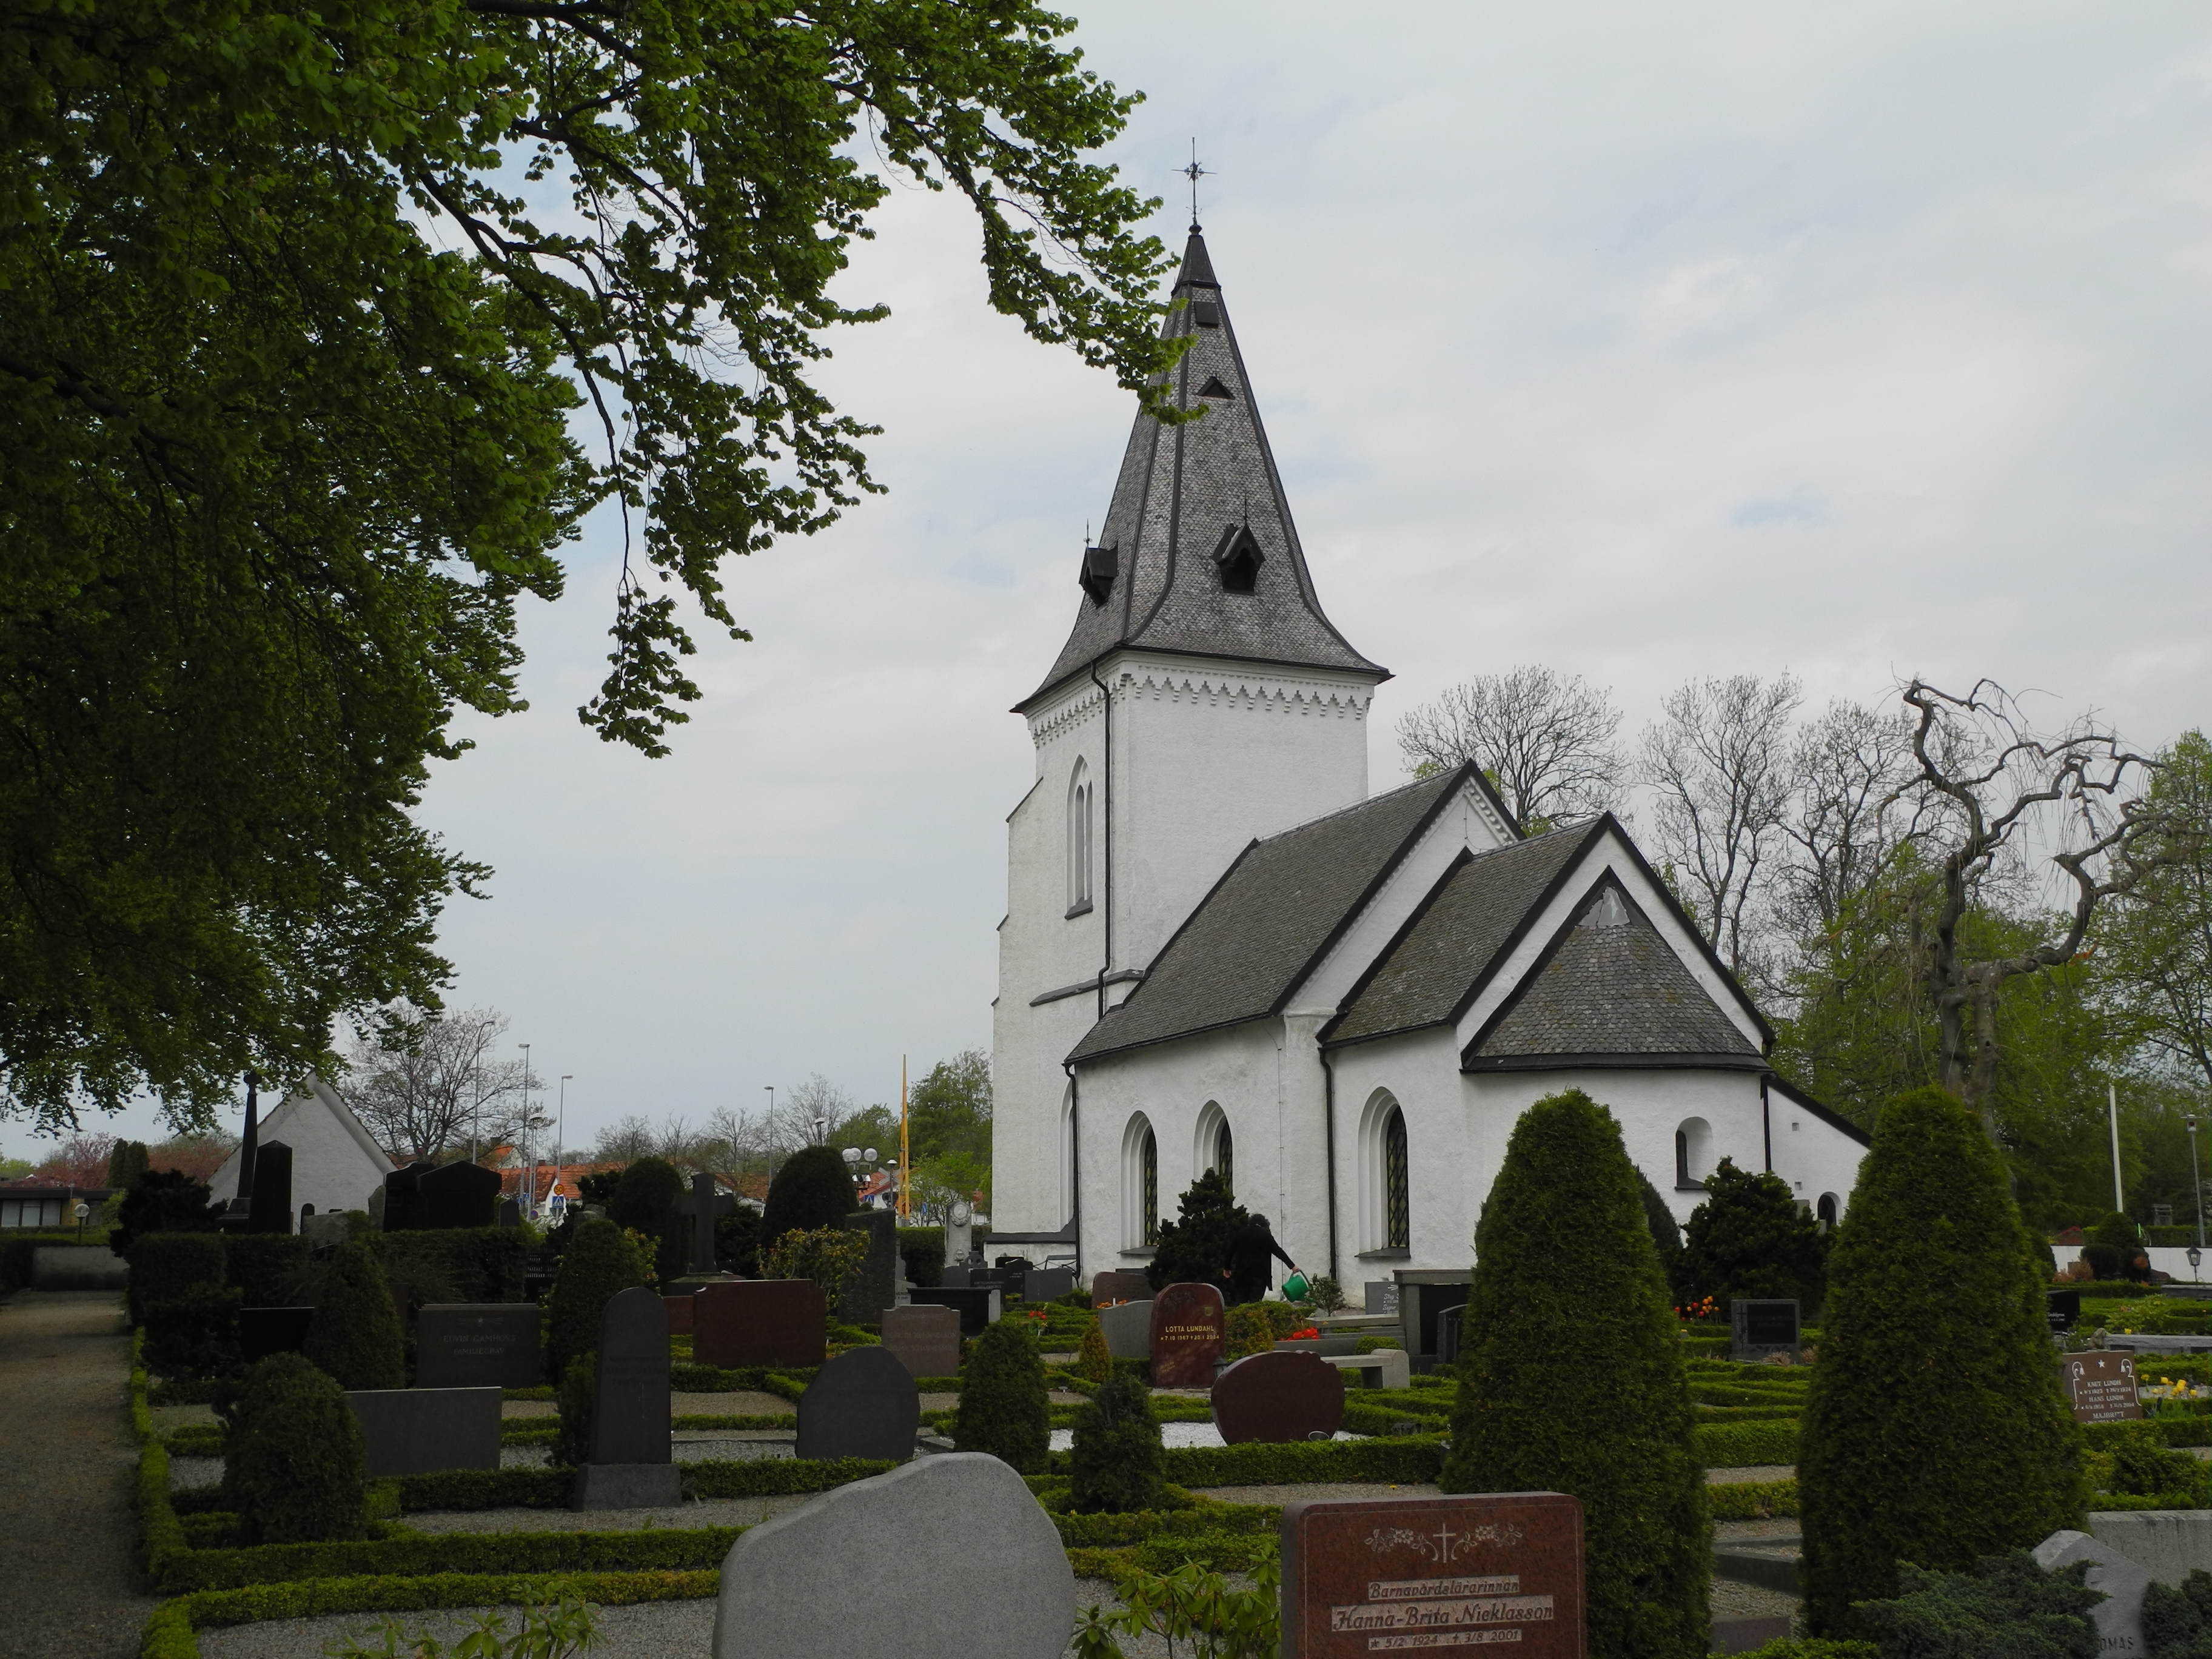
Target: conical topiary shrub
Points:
(1004, 1409)
(645, 1202)
(1936, 1431)
(1570, 1378)
(1115, 1465)
(600, 1260)
(812, 1189)
(354, 1334)
(1094, 1360)
(293, 1463)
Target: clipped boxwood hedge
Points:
(696, 1549)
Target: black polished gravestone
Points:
(630, 1465)
(979, 1305)
(403, 1203)
(875, 1286)
(474, 1345)
(1759, 1327)
(862, 1404)
(272, 1189)
(264, 1331)
(2064, 1309)
(457, 1195)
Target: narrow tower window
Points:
(1140, 1184)
(1078, 840)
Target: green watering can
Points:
(1295, 1287)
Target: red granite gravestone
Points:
(1187, 1336)
(760, 1322)
(1386, 1574)
(2101, 1386)
(679, 1315)
(1278, 1396)
(1119, 1287)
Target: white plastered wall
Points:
(335, 1164)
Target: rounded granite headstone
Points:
(949, 1557)
(862, 1404)
(630, 1413)
(1279, 1396)
(1188, 1343)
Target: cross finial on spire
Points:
(1193, 172)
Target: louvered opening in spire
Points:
(1202, 555)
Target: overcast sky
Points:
(1646, 343)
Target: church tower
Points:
(1202, 699)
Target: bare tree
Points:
(625, 1141)
(1717, 762)
(1544, 740)
(1849, 814)
(809, 1114)
(2004, 793)
(428, 1083)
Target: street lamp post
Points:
(560, 1130)
(529, 1170)
(2195, 1250)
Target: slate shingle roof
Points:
(1616, 989)
(1472, 914)
(1255, 937)
(1180, 488)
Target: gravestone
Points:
(1278, 1397)
(402, 1199)
(1119, 1287)
(996, 1585)
(1382, 1296)
(272, 1189)
(759, 1322)
(1760, 1327)
(629, 1465)
(457, 1195)
(978, 1304)
(1127, 1328)
(1187, 1336)
(680, 1313)
(959, 1234)
(952, 1277)
(1450, 1330)
(264, 1331)
(510, 1213)
(1388, 1573)
(2101, 1387)
(324, 1232)
(875, 1286)
(2117, 1620)
(421, 1431)
(1047, 1284)
(862, 1404)
(2065, 1308)
(925, 1337)
(704, 1212)
(472, 1345)
(1421, 1309)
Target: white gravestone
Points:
(871, 1571)
(2118, 1618)
(1127, 1328)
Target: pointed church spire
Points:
(1203, 556)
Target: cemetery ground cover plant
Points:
(1936, 1431)
(558, 1629)
(1571, 1378)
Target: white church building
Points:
(1219, 951)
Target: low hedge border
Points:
(173, 1631)
(1752, 1500)
(1744, 1445)
(432, 1554)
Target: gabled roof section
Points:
(1610, 988)
(1181, 489)
(1255, 936)
(1447, 948)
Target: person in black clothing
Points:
(1250, 1271)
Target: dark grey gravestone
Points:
(1422, 1311)
(401, 1200)
(862, 1404)
(702, 1223)
(1382, 1296)
(1045, 1284)
(1450, 1330)
(978, 1304)
(473, 1345)
(875, 1287)
(421, 1431)
(272, 1189)
(629, 1418)
(264, 1331)
(954, 1278)
(510, 1213)
(1762, 1327)
(458, 1195)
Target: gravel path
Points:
(66, 1529)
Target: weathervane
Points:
(1193, 172)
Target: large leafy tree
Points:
(301, 313)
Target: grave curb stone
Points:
(2117, 1620)
(952, 1551)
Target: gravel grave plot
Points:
(736, 1402)
(510, 1409)
(1178, 1434)
(167, 1418)
(1751, 1471)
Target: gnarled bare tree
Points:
(425, 1084)
(2000, 793)
(1544, 738)
(1849, 812)
(1718, 764)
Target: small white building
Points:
(1219, 951)
(336, 1164)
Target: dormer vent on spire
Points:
(1166, 575)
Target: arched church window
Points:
(1397, 1196)
(1693, 1153)
(1217, 1148)
(1828, 1210)
(1140, 1184)
(1078, 839)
